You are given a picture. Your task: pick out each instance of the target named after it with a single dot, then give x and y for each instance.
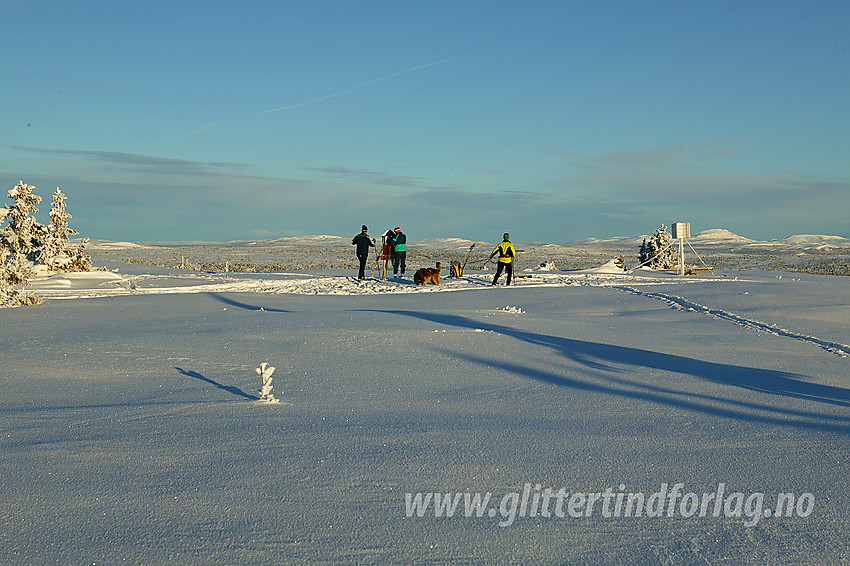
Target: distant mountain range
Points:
(721, 237)
(713, 237)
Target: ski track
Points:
(304, 284)
(683, 304)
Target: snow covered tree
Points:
(15, 268)
(658, 253)
(53, 251)
(21, 238)
(24, 242)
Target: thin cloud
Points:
(146, 163)
(665, 156)
(722, 193)
(371, 177)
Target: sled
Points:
(456, 269)
(382, 260)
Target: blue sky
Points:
(552, 120)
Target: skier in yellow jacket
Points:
(507, 253)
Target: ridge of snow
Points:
(720, 236)
(448, 243)
(616, 240)
(814, 241)
(109, 245)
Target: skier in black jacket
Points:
(363, 242)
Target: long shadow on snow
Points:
(228, 388)
(599, 357)
(246, 306)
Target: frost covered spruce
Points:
(21, 236)
(25, 242)
(658, 252)
(18, 244)
(55, 254)
(265, 372)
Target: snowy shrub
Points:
(658, 253)
(16, 298)
(620, 262)
(79, 261)
(265, 372)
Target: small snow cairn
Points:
(265, 372)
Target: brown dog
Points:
(427, 274)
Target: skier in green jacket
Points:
(399, 244)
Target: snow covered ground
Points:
(131, 433)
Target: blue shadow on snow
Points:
(246, 306)
(228, 388)
(598, 359)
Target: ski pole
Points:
(467, 258)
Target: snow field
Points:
(130, 431)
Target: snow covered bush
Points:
(658, 253)
(265, 372)
(79, 261)
(10, 297)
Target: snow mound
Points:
(546, 266)
(609, 268)
(512, 310)
(81, 280)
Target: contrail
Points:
(212, 125)
(404, 72)
(362, 85)
(209, 127)
(315, 100)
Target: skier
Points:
(507, 253)
(363, 242)
(399, 243)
